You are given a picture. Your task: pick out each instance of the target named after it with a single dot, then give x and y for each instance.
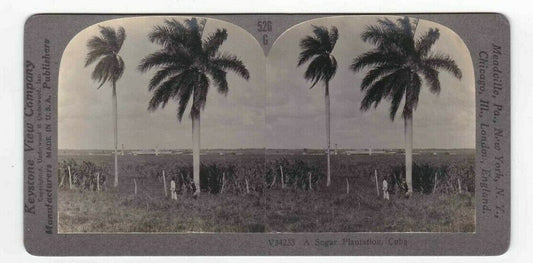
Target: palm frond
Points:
(231, 62)
(333, 37)
(310, 47)
(219, 78)
(121, 36)
(109, 35)
(102, 70)
(310, 43)
(200, 95)
(380, 36)
(332, 69)
(166, 35)
(391, 36)
(164, 73)
(431, 76)
(195, 29)
(184, 95)
(173, 36)
(118, 68)
(407, 29)
(382, 88)
(388, 24)
(162, 58)
(396, 99)
(322, 35)
(406, 40)
(376, 58)
(164, 92)
(445, 62)
(98, 43)
(214, 41)
(426, 41)
(412, 93)
(97, 47)
(96, 51)
(375, 73)
(176, 25)
(176, 86)
(322, 68)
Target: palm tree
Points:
(105, 49)
(187, 65)
(397, 63)
(323, 67)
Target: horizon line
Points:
(263, 148)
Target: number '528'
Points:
(264, 26)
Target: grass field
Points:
(292, 209)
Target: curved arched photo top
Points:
(295, 113)
(85, 110)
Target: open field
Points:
(252, 199)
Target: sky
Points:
(274, 109)
(85, 112)
(296, 114)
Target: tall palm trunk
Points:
(196, 152)
(408, 130)
(328, 127)
(115, 117)
(409, 152)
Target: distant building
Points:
(369, 151)
(353, 152)
(155, 152)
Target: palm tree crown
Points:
(397, 63)
(106, 48)
(187, 65)
(318, 48)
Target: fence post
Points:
(385, 190)
(247, 189)
(135, 184)
(69, 177)
(273, 182)
(282, 177)
(310, 183)
(376, 178)
(184, 184)
(434, 183)
(164, 183)
(223, 182)
(347, 186)
(98, 182)
(62, 180)
(459, 184)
